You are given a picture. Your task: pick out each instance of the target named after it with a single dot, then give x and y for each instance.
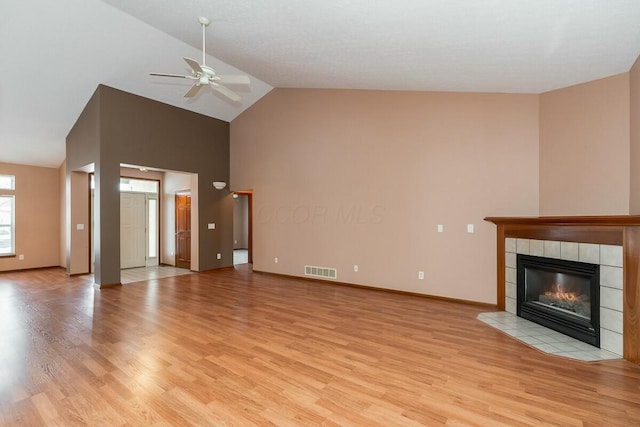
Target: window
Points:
(138, 185)
(7, 228)
(7, 216)
(7, 182)
(152, 226)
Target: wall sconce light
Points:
(219, 185)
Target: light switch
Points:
(469, 228)
(211, 226)
(440, 228)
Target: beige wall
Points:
(37, 198)
(345, 177)
(634, 83)
(584, 148)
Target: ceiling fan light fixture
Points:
(205, 75)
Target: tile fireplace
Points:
(611, 243)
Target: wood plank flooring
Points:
(235, 348)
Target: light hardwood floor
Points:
(232, 347)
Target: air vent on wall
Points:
(321, 272)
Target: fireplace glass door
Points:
(568, 293)
(561, 295)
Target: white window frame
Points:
(11, 226)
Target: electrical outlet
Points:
(275, 260)
(421, 275)
(440, 228)
(470, 228)
(211, 226)
(219, 256)
(20, 257)
(355, 268)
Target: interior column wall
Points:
(117, 127)
(107, 222)
(80, 223)
(62, 208)
(83, 153)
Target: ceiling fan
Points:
(204, 75)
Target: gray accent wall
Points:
(117, 127)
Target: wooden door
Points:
(183, 231)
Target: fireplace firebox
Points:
(561, 295)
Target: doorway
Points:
(138, 230)
(242, 227)
(139, 222)
(183, 230)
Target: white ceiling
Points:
(53, 54)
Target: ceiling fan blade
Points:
(194, 65)
(193, 91)
(234, 79)
(170, 75)
(227, 92)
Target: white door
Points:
(132, 230)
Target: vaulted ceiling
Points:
(53, 54)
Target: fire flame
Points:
(559, 294)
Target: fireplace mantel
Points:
(621, 230)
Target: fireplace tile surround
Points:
(613, 239)
(609, 257)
